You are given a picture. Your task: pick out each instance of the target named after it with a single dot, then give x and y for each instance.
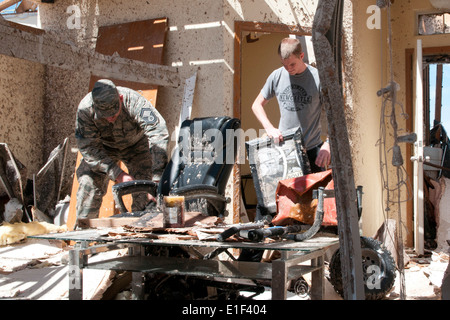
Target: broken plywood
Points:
(139, 40)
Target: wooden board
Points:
(138, 40)
(105, 222)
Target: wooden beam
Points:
(7, 3)
(26, 5)
(438, 104)
(47, 49)
(345, 191)
(39, 1)
(105, 222)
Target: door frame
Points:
(241, 27)
(409, 81)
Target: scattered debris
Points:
(12, 176)
(436, 268)
(387, 235)
(62, 211)
(39, 216)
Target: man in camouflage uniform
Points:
(117, 124)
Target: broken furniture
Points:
(13, 178)
(285, 186)
(198, 169)
(43, 192)
(270, 163)
(279, 272)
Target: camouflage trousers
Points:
(92, 186)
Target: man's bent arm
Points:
(261, 115)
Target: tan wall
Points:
(190, 45)
(371, 72)
(21, 111)
(366, 75)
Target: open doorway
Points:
(436, 126)
(255, 58)
(436, 144)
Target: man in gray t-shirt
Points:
(296, 86)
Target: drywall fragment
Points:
(13, 211)
(38, 215)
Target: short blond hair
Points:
(290, 46)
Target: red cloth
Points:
(295, 202)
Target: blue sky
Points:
(445, 113)
(10, 9)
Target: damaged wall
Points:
(200, 37)
(194, 40)
(21, 111)
(443, 217)
(368, 60)
(365, 66)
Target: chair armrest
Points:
(129, 187)
(199, 191)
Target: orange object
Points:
(294, 199)
(126, 40)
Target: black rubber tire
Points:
(377, 282)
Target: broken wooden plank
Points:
(438, 97)
(47, 49)
(7, 3)
(343, 177)
(105, 222)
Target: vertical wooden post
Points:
(346, 205)
(438, 104)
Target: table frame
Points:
(280, 271)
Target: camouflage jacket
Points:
(97, 139)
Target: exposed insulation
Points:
(15, 232)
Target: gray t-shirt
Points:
(299, 101)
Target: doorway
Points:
(436, 123)
(255, 56)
